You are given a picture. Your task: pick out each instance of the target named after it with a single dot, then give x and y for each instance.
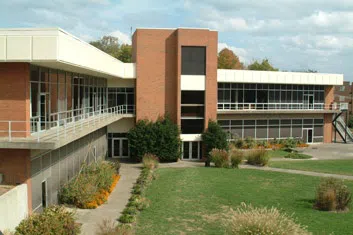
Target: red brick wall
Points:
(329, 95)
(15, 97)
(15, 165)
(209, 39)
(154, 52)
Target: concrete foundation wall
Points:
(13, 207)
(121, 126)
(61, 165)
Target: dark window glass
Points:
(193, 60)
(192, 126)
(192, 111)
(192, 97)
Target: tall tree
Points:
(228, 60)
(111, 46)
(265, 65)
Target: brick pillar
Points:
(15, 98)
(328, 128)
(329, 95)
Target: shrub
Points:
(150, 161)
(214, 138)
(332, 194)
(107, 227)
(350, 122)
(236, 157)
(54, 219)
(258, 157)
(127, 219)
(131, 210)
(250, 142)
(220, 158)
(160, 138)
(290, 143)
(239, 143)
(91, 187)
(262, 221)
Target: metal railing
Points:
(279, 106)
(39, 130)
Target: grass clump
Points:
(236, 157)
(54, 219)
(249, 220)
(258, 157)
(108, 227)
(220, 158)
(150, 161)
(332, 195)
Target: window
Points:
(342, 88)
(192, 97)
(193, 60)
(192, 126)
(341, 98)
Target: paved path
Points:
(330, 151)
(115, 204)
(310, 173)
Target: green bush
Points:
(160, 138)
(239, 143)
(249, 220)
(83, 188)
(258, 157)
(350, 122)
(236, 157)
(131, 210)
(214, 138)
(332, 194)
(127, 219)
(150, 161)
(250, 142)
(54, 219)
(290, 143)
(220, 158)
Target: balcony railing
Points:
(61, 123)
(224, 106)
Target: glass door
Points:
(191, 150)
(120, 148)
(308, 101)
(308, 135)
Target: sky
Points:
(295, 35)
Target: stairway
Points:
(342, 129)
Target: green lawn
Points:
(194, 200)
(343, 167)
(277, 153)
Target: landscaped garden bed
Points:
(198, 201)
(92, 186)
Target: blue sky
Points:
(293, 34)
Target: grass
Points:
(193, 200)
(277, 153)
(298, 156)
(341, 167)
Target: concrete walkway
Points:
(116, 203)
(299, 172)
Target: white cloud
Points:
(240, 52)
(123, 38)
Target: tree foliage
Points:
(214, 137)
(111, 46)
(265, 65)
(228, 60)
(160, 138)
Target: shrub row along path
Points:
(310, 173)
(111, 210)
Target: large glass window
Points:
(122, 96)
(263, 129)
(59, 97)
(268, 96)
(193, 60)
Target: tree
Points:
(228, 60)
(125, 53)
(111, 46)
(214, 137)
(263, 66)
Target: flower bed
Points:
(92, 186)
(102, 195)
